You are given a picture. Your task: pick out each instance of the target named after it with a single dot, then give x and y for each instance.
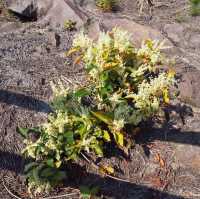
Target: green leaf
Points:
(36, 173)
(38, 149)
(30, 166)
(23, 131)
(85, 192)
(50, 162)
(98, 150)
(70, 137)
(119, 138)
(106, 136)
(104, 76)
(103, 117)
(94, 190)
(88, 192)
(52, 174)
(81, 92)
(47, 172)
(58, 176)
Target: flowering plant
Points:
(125, 87)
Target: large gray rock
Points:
(54, 12)
(24, 8)
(57, 12)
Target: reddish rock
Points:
(57, 12)
(189, 87)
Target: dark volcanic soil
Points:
(165, 163)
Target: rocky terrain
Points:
(165, 163)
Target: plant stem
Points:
(107, 175)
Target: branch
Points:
(60, 196)
(98, 167)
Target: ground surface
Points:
(165, 163)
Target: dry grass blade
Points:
(60, 196)
(142, 3)
(12, 194)
(68, 195)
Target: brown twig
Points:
(107, 175)
(60, 196)
(50, 197)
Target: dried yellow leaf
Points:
(106, 170)
(78, 60)
(58, 164)
(71, 51)
(166, 96)
(171, 73)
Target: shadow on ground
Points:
(79, 176)
(23, 101)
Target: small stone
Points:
(24, 8)
(54, 39)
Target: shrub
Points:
(106, 5)
(69, 25)
(195, 7)
(125, 87)
(42, 177)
